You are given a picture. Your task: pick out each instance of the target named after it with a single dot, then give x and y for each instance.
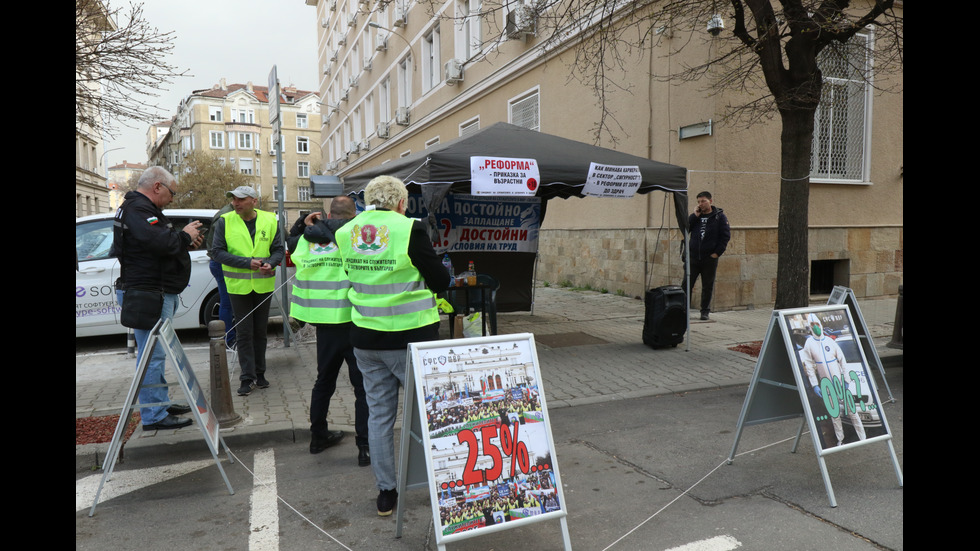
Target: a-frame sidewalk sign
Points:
(476, 432)
(811, 367)
(163, 334)
(845, 295)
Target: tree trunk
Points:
(793, 265)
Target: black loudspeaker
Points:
(666, 316)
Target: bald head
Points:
(342, 207)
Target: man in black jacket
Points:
(709, 232)
(153, 256)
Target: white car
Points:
(96, 310)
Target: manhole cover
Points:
(559, 340)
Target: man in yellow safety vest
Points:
(320, 298)
(248, 246)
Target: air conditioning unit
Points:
(367, 64)
(364, 2)
(272, 152)
(333, 166)
(258, 151)
(333, 6)
(352, 82)
(324, 22)
(521, 21)
(380, 42)
(366, 145)
(184, 153)
(402, 116)
(454, 71)
(401, 17)
(383, 130)
(326, 69)
(334, 54)
(345, 94)
(352, 20)
(353, 147)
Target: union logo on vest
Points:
(369, 239)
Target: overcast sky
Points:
(239, 40)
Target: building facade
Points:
(91, 192)
(231, 122)
(399, 76)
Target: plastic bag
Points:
(473, 325)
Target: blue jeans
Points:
(224, 305)
(156, 365)
(383, 372)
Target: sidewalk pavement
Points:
(589, 347)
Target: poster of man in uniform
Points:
(834, 377)
(489, 445)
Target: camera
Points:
(715, 25)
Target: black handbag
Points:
(141, 308)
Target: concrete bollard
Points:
(221, 402)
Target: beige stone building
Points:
(120, 176)
(91, 192)
(400, 76)
(231, 121)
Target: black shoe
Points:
(178, 409)
(246, 388)
(704, 316)
(168, 423)
(318, 444)
(363, 456)
(387, 500)
(261, 382)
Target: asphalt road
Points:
(638, 474)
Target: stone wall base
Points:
(629, 261)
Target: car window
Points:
(93, 239)
(180, 221)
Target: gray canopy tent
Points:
(443, 170)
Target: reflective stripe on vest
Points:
(242, 281)
(387, 292)
(320, 285)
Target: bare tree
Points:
(120, 65)
(769, 59)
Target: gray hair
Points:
(153, 175)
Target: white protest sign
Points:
(612, 181)
(503, 176)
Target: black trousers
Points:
(705, 268)
(333, 348)
(251, 325)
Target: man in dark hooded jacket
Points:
(709, 233)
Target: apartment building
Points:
(231, 121)
(399, 76)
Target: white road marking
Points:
(264, 516)
(123, 482)
(717, 543)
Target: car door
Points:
(95, 303)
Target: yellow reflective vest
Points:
(320, 284)
(242, 281)
(387, 292)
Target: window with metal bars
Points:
(841, 130)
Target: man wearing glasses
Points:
(153, 257)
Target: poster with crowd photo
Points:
(489, 449)
(836, 385)
(466, 223)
